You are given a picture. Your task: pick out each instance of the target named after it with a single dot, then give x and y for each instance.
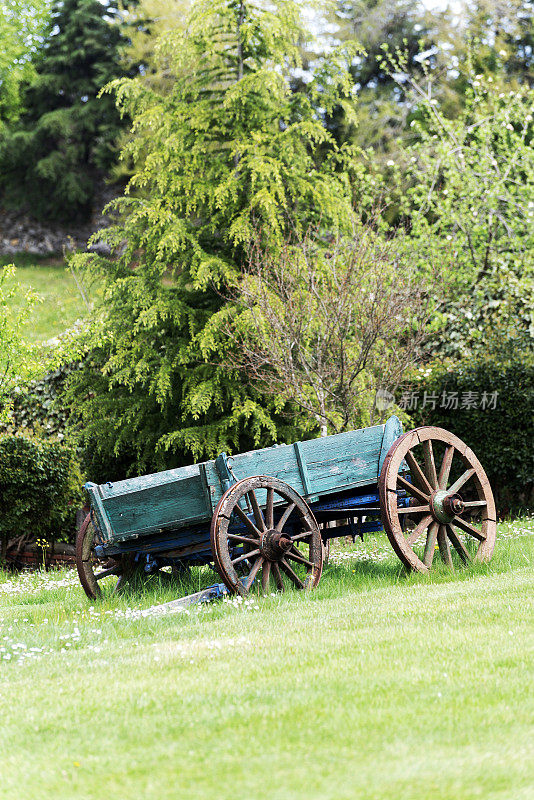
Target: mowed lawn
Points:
(378, 685)
(60, 301)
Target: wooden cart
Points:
(263, 518)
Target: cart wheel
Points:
(93, 570)
(283, 541)
(446, 500)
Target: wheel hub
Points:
(274, 545)
(444, 506)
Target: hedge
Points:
(501, 437)
(40, 489)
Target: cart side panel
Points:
(119, 488)
(334, 463)
(276, 462)
(316, 467)
(156, 508)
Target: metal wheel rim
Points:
(438, 531)
(267, 568)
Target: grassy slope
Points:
(61, 302)
(377, 685)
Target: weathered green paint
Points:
(303, 469)
(177, 498)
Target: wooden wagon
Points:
(263, 518)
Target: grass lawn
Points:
(61, 302)
(378, 685)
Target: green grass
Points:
(61, 304)
(377, 685)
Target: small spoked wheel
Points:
(95, 572)
(434, 493)
(279, 545)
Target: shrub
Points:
(38, 406)
(40, 489)
(501, 437)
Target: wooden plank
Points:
(95, 495)
(302, 468)
(153, 508)
(332, 463)
(119, 488)
(392, 430)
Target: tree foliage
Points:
(228, 151)
(40, 490)
(147, 21)
(466, 188)
(66, 136)
(325, 326)
(382, 107)
(22, 25)
(16, 362)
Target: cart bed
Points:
(187, 496)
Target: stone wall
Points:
(21, 233)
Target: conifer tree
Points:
(65, 139)
(231, 153)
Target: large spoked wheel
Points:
(95, 572)
(283, 541)
(445, 500)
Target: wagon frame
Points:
(264, 517)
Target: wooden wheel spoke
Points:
(265, 575)
(290, 574)
(105, 572)
(414, 510)
(285, 516)
(412, 489)
(299, 536)
(247, 521)
(468, 528)
(430, 545)
(244, 557)
(278, 577)
(419, 478)
(462, 480)
(243, 539)
(444, 548)
(269, 509)
(416, 533)
(475, 504)
(430, 464)
(445, 468)
(258, 516)
(253, 572)
(296, 556)
(458, 545)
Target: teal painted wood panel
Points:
(276, 462)
(154, 508)
(332, 463)
(119, 488)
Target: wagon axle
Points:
(274, 545)
(445, 507)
